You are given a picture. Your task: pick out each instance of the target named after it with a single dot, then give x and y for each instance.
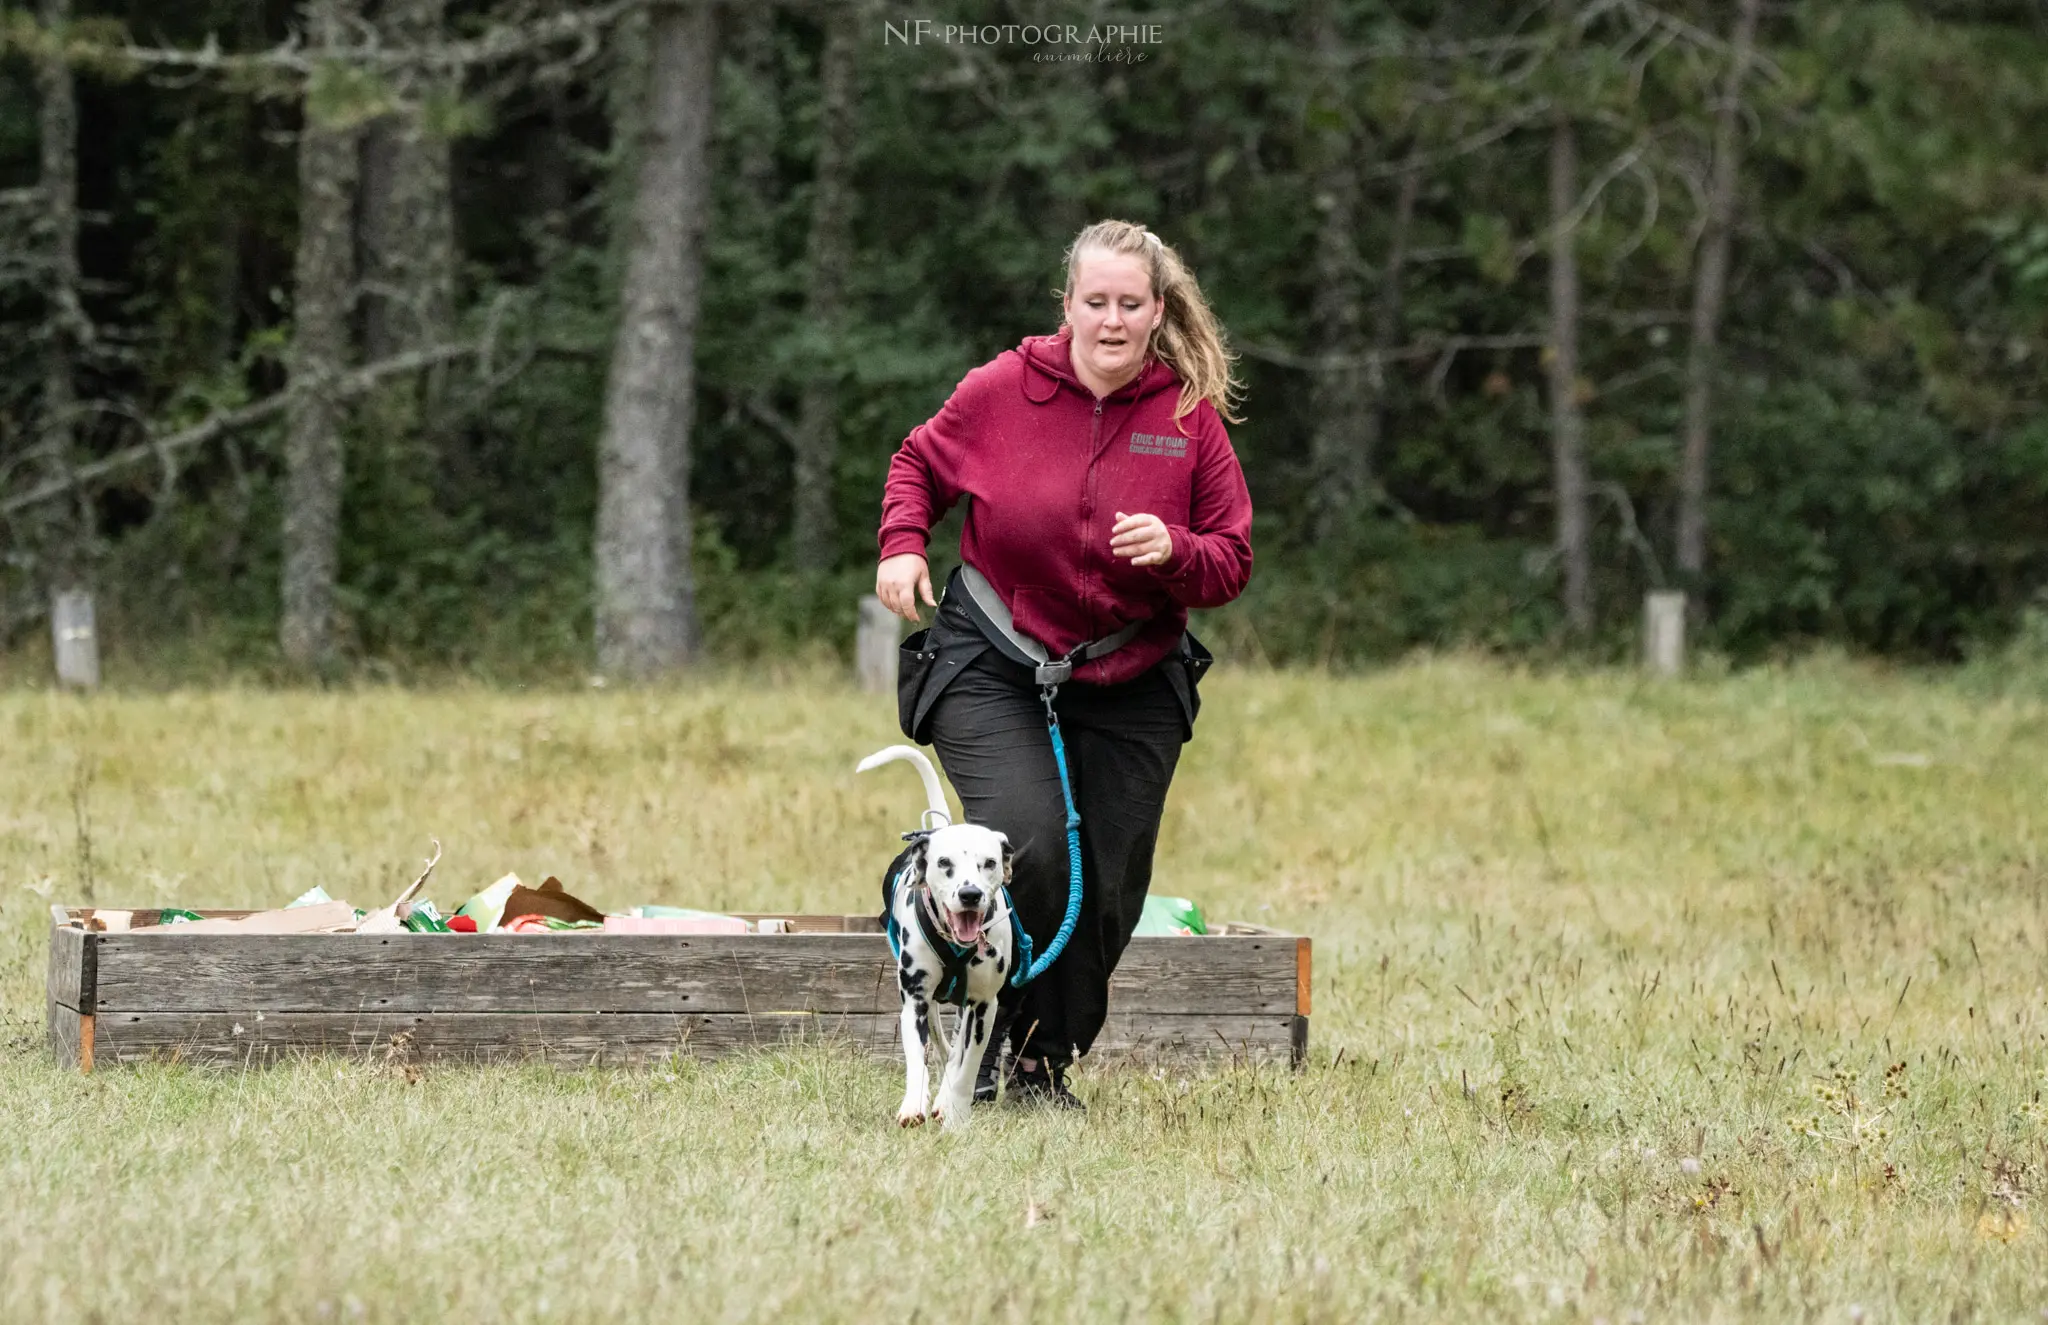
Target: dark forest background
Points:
(344, 335)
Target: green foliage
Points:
(1383, 588)
(1878, 473)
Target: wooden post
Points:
(874, 647)
(76, 639)
(1664, 632)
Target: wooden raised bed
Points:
(232, 999)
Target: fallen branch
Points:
(503, 42)
(1449, 346)
(161, 449)
(1492, 133)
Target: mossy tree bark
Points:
(1710, 285)
(408, 220)
(645, 593)
(65, 327)
(323, 281)
(1567, 417)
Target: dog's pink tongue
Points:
(966, 926)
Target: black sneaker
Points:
(1044, 1085)
(985, 1078)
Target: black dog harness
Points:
(954, 958)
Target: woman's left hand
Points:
(1142, 538)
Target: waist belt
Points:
(992, 615)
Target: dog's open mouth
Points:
(965, 926)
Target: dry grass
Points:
(1613, 982)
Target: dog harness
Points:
(953, 957)
(992, 615)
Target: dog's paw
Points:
(910, 1117)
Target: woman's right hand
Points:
(898, 582)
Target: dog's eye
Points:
(945, 864)
(988, 864)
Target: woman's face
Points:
(1113, 312)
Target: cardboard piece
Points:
(551, 900)
(391, 919)
(323, 917)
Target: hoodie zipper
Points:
(1088, 511)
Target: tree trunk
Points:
(645, 597)
(1567, 421)
(66, 324)
(1337, 394)
(408, 219)
(1708, 293)
(323, 278)
(1386, 328)
(813, 531)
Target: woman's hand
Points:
(1142, 538)
(899, 580)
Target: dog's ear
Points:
(920, 856)
(1008, 855)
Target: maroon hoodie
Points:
(1048, 466)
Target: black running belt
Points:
(992, 615)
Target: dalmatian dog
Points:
(946, 913)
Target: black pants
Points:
(1122, 743)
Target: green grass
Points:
(1609, 977)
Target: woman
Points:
(1104, 493)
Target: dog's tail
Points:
(934, 794)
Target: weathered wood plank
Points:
(72, 970)
(65, 1039)
(346, 973)
(828, 973)
(229, 1039)
(1216, 974)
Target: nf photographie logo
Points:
(918, 31)
(1094, 43)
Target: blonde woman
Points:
(1105, 501)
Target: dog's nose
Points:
(971, 896)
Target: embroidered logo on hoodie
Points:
(1145, 443)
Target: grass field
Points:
(1722, 1000)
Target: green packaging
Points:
(1170, 915)
(424, 918)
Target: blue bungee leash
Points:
(978, 598)
(1028, 968)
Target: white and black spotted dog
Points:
(944, 906)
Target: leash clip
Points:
(1056, 673)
